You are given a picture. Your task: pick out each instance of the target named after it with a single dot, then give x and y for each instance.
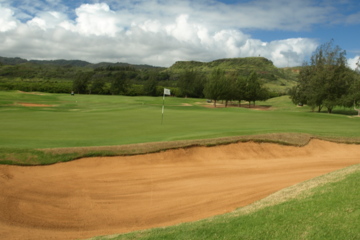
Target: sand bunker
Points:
(107, 195)
(35, 105)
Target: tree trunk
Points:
(214, 103)
(226, 103)
(319, 109)
(358, 110)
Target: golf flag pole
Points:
(166, 92)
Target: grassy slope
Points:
(323, 208)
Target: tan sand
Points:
(34, 105)
(108, 195)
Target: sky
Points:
(161, 32)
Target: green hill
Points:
(276, 79)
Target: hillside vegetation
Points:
(58, 76)
(276, 79)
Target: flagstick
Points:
(162, 116)
(166, 92)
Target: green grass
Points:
(87, 120)
(330, 210)
(94, 120)
(34, 157)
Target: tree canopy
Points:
(326, 81)
(216, 85)
(233, 86)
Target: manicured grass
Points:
(90, 120)
(329, 211)
(93, 120)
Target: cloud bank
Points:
(156, 32)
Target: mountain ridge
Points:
(65, 62)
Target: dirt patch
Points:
(235, 105)
(34, 105)
(33, 93)
(108, 195)
(186, 105)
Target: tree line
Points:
(327, 81)
(220, 85)
(126, 80)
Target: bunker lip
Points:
(109, 195)
(295, 139)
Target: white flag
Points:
(167, 91)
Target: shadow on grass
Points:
(346, 112)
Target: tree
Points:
(230, 88)
(298, 93)
(191, 84)
(353, 97)
(254, 89)
(81, 82)
(325, 81)
(119, 83)
(151, 84)
(215, 86)
(240, 89)
(97, 85)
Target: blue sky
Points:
(161, 32)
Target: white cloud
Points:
(97, 19)
(353, 61)
(7, 21)
(157, 32)
(46, 20)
